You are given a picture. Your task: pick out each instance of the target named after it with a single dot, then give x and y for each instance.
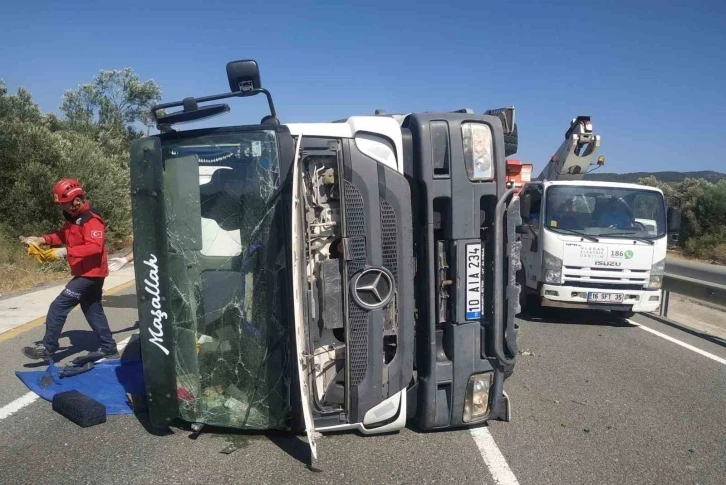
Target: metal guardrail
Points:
(707, 291)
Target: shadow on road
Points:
(683, 328)
(574, 317)
(235, 439)
(120, 301)
(80, 341)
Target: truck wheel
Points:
(511, 142)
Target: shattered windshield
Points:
(227, 277)
(605, 211)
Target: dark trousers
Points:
(88, 292)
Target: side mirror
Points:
(674, 219)
(243, 76)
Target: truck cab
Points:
(587, 244)
(593, 245)
(321, 277)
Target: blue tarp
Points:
(108, 382)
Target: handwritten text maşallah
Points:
(152, 288)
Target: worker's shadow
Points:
(81, 341)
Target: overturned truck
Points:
(356, 274)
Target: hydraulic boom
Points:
(576, 153)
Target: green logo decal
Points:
(628, 254)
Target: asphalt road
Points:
(594, 401)
(713, 273)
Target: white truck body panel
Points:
(361, 128)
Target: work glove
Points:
(46, 255)
(115, 264)
(35, 251)
(32, 240)
(58, 253)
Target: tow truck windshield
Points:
(605, 211)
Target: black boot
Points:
(39, 352)
(110, 354)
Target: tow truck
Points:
(591, 245)
(319, 277)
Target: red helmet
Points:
(67, 189)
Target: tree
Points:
(19, 106)
(115, 100)
(37, 149)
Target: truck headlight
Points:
(478, 151)
(656, 275)
(476, 399)
(552, 268)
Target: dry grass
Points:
(711, 255)
(719, 253)
(19, 272)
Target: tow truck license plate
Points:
(474, 303)
(595, 297)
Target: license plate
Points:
(474, 303)
(595, 297)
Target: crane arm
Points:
(575, 154)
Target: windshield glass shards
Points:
(226, 260)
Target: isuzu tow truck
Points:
(591, 245)
(356, 274)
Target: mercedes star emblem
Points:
(372, 288)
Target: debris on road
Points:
(230, 448)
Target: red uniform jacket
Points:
(84, 237)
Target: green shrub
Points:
(34, 158)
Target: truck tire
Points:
(511, 142)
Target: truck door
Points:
(532, 199)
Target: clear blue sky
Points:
(650, 74)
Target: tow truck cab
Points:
(594, 245)
(325, 276)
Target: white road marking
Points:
(17, 405)
(678, 342)
(493, 458)
(29, 398)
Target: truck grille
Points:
(357, 318)
(625, 279)
(388, 235)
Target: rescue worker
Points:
(83, 236)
